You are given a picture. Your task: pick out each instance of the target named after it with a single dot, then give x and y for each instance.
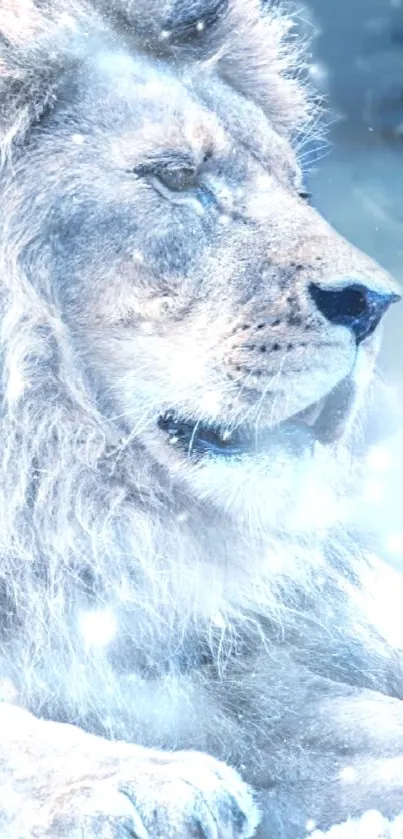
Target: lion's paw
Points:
(177, 796)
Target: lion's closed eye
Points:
(178, 182)
(178, 179)
(175, 173)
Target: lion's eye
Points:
(172, 176)
(180, 179)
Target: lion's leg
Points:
(342, 757)
(59, 781)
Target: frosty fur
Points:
(242, 629)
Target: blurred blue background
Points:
(358, 185)
(357, 62)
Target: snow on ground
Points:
(372, 825)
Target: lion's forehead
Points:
(136, 100)
(242, 42)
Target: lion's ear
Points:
(19, 21)
(22, 73)
(37, 41)
(162, 26)
(187, 22)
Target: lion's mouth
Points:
(323, 421)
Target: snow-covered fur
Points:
(156, 255)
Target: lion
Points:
(188, 645)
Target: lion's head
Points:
(160, 256)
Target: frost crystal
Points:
(348, 774)
(98, 627)
(379, 458)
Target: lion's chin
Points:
(273, 492)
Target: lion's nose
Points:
(355, 306)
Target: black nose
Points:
(355, 306)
